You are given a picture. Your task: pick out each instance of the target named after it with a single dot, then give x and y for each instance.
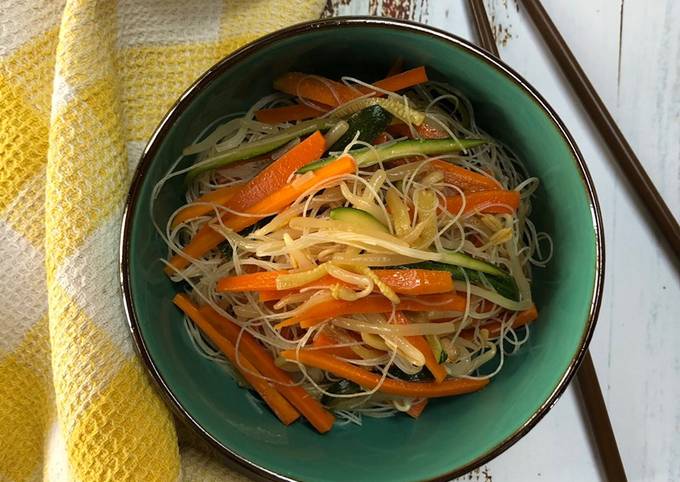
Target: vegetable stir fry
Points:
(350, 249)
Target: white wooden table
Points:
(630, 49)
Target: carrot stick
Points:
(416, 281)
(417, 408)
(382, 138)
(326, 343)
(492, 202)
(288, 113)
(375, 304)
(285, 196)
(218, 196)
(526, 316)
(369, 380)
(402, 81)
(523, 318)
(277, 174)
(402, 281)
(330, 92)
(421, 344)
(260, 281)
(311, 409)
(207, 238)
(315, 88)
(279, 405)
(271, 179)
(399, 130)
(425, 131)
(274, 295)
(468, 181)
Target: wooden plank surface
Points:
(631, 51)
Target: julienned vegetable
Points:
(374, 304)
(308, 406)
(465, 179)
(369, 281)
(324, 342)
(422, 345)
(370, 380)
(463, 260)
(209, 238)
(358, 217)
(364, 126)
(495, 329)
(205, 204)
(333, 93)
(284, 410)
(256, 148)
(386, 152)
(417, 408)
(398, 108)
(402, 281)
(266, 183)
(488, 202)
(504, 284)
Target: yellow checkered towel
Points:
(82, 85)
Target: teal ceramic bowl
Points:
(453, 435)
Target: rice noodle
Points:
(408, 197)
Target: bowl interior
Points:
(452, 433)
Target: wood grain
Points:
(403, 9)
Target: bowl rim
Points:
(232, 458)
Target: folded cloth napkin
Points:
(83, 83)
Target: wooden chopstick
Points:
(486, 37)
(600, 426)
(610, 132)
(588, 384)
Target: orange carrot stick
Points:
(417, 408)
(207, 238)
(402, 281)
(310, 407)
(416, 281)
(523, 318)
(279, 405)
(399, 130)
(218, 196)
(277, 174)
(468, 181)
(260, 281)
(370, 380)
(421, 344)
(428, 130)
(491, 202)
(288, 113)
(315, 88)
(375, 304)
(526, 316)
(274, 295)
(270, 180)
(330, 92)
(424, 130)
(326, 343)
(382, 138)
(402, 81)
(285, 196)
